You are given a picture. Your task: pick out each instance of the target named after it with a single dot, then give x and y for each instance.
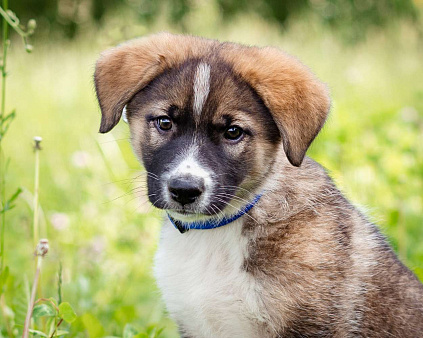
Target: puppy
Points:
(258, 241)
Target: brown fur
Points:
(328, 271)
(323, 268)
(298, 101)
(123, 71)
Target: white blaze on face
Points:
(189, 166)
(201, 87)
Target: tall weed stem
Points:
(40, 252)
(5, 44)
(37, 149)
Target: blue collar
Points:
(213, 223)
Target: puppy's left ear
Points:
(124, 70)
(297, 100)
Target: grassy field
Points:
(94, 213)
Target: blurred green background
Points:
(94, 213)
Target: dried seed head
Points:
(29, 48)
(32, 24)
(42, 247)
(37, 140)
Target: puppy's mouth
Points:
(195, 211)
(184, 212)
(188, 215)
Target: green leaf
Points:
(150, 329)
(12, 115)
(66, 312)
(20, 300)
(38, 333)
(6, 208)
(50, 325)
(158, 332)
(142, 335)
(153, 330)
(15, 195)
(43, 310)
(6, 123)
(61, 332)
(8, 205)
(129, 331)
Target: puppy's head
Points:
(207, 118)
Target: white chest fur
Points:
(205, 289)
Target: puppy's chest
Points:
(203, 284)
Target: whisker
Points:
(238, 209)
(219, 211)
(233, 197)
(114, 140)
(149, 173)
(234, 187)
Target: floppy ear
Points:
(297, 100)
(124, 70)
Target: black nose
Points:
(185, 190)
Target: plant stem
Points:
(14, 25)
(32, 300)
(40, 251)
(55, 329)
(3, 68)
(37, 149)
(59, 284)
(5, 43)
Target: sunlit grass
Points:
(105, 233)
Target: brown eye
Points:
(233, 133)
(164, 123)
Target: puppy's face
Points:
(205, 137)
(206, 118)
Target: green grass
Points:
(100, 227)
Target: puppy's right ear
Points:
(119, 74)
(126, 69)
